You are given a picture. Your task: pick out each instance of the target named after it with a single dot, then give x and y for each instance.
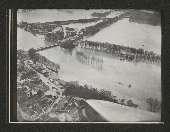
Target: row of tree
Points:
(86, 92)
(124, 52)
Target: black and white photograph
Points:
(88, 65)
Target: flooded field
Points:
(131, 34)
(131, 80)
(102, 71)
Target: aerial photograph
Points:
(95, 65)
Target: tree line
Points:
(123, 52)
(87, 92)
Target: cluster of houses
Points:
(38, 105)
(70, 105)
(36, 95)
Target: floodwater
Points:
(101, 70)
(26, 40)
(47, 15)
(131, 34)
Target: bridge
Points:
(65, 43)
(46, 47)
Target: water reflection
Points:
(82, 55)
(90, 59)
(68, 51)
